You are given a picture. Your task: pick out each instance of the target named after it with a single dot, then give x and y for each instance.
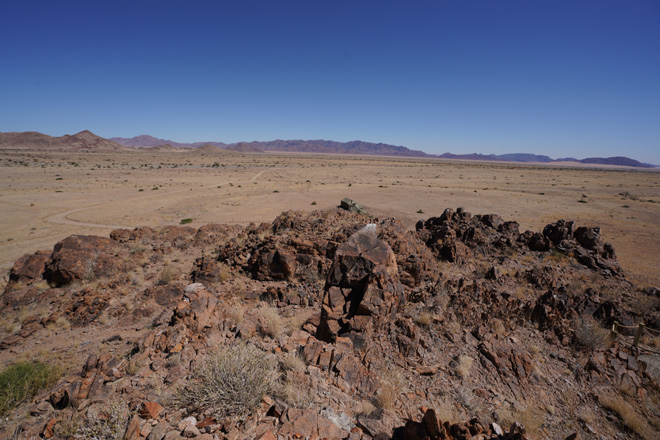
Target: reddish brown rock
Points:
(29, 267)
(150, 410)
(83, 257)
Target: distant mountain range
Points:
(83, 141)
(88, 141)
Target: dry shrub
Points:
(392, 383)
(464, 364)
(298, 395)
(166, 276)
(224, 273)
(589, 334)
(497, 327)
(631, 418)
(236, 312)
(446, 412)
(644, 303)
(531, 416)
(296, 321)
(424, 319)
(230, 383)
(269, 321)
(102, 423)
(293, 361)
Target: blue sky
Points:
(562, 78)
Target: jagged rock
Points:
(29, 267)
(379, 423)
(362, 283)
(150, 410)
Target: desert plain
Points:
(47, 196)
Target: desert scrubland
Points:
(46, 196)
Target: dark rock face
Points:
(362, 286)
(30, 267)
(83, 257)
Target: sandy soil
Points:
(46, 196)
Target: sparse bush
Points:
(23, 380)
(313, 203)
(185, 221)
(589, 334)
(103, 424)
(230, 383)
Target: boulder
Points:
(83, 257)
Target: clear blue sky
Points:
(562, 78)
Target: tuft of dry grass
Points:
(269, 321)
(424, 319)
(236, 312)
(224, 273)
(464, 364)
(298, 395)
(392, 383)
(630, 417)
(293, 361)
(166, 276)
(530, 415)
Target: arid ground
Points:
(46, 196)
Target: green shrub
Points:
(230, 383)
(185, 221)
(23, 380)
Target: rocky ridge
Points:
(465, 328)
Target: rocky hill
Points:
(333, 324)
(145, 140)
(83, 141)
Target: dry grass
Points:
(298, 395)
(166, 276)
(630, 417)
(108, 423)
(269, 321)
(293, 361)
(424, 319)
(446, 412)
(392, 383)
(235, 311)
(530, 415)
(464, 364)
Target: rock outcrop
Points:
(464, 328)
